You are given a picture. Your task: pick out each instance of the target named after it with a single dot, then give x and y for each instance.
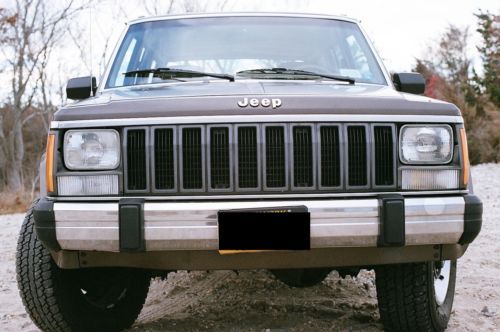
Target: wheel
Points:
(416, 297)
(301, 277)
(98, 299)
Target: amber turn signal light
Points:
(49, 163)
(465, 156)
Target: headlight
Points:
(431, 144)
(91, 149)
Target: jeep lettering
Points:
(264, 102)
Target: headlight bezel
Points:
(445, 126)
(72, 167)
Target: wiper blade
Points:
(286, 71)
(173, 73)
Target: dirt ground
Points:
(256, 301)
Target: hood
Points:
(221, 98)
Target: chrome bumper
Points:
(193, 225)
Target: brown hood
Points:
(221, 98)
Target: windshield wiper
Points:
(292, 72)
(173, 73)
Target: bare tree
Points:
(159, 7)
(33, 28)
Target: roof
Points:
(241, 14)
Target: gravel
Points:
(256, 301)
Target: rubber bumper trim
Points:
(392, 221)
(131, 224)
(45, 224)
(473, 218)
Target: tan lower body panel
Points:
(213, 260)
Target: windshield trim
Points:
(104, 78)
(242, 14)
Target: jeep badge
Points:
(265, 102)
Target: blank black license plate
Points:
(281, 228)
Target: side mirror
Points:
(409, 82)
(80, 88)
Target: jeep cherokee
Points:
(247, 141)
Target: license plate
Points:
(250, 230)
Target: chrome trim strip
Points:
(261, 196)
(92, 226)
(187, 223)
(434, 220)
(268, 118)
(193, 226)
(242, 14)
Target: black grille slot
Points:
(302, 157)
(219, 158)
(330, 156)
(384, 156)
(164, 159)
(247, 157)
(136, 159)
(192, 167)
(275, 157)
(356, 146)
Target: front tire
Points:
(416, 297)
(97, 299)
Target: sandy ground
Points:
(256, 301)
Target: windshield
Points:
(228, 45)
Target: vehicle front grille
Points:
(248, 158)
(164, 158)
(384, 156)
(276, 164)
(330, 162)
(268, 158)
(303, 164)
(357, 151)
(220, 168)
(192, 159)
(136, 161)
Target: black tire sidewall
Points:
(440, 314)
